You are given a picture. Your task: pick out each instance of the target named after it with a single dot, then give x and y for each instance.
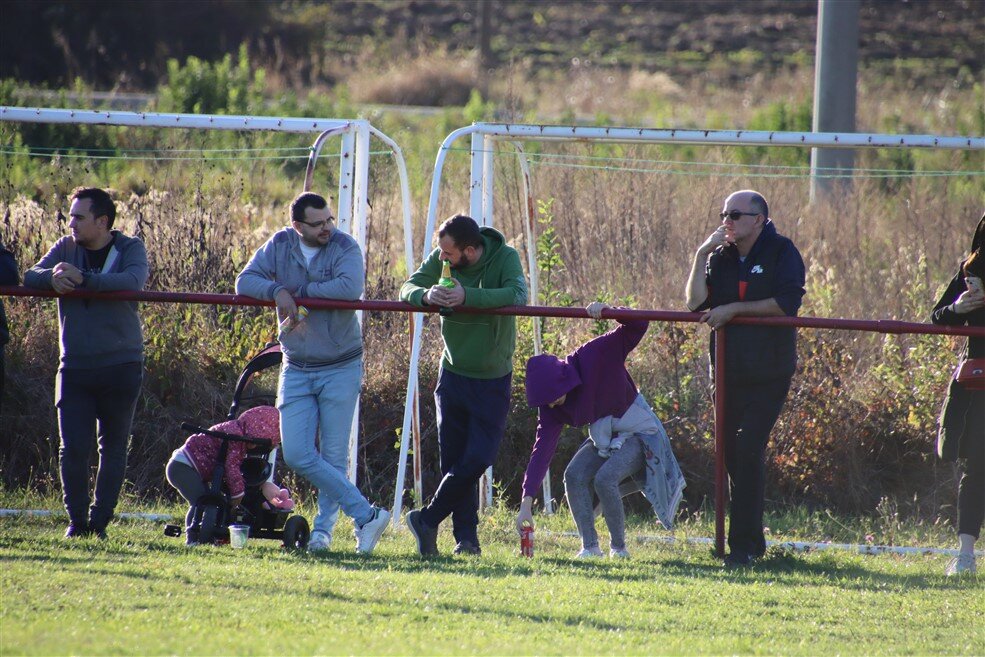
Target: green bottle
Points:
(446, 281)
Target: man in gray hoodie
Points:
(323, 359)
(102, 354)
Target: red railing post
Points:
(720, 480)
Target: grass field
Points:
(143, 593)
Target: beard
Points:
(463, 262)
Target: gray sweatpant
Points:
(187, 481)
(588, 470)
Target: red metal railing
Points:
(872, 326)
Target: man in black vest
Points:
(745, 268)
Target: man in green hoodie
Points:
(473, 393)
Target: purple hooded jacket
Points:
(596, 383)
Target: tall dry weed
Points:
(627, 220)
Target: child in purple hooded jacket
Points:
(591, 387)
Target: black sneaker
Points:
(77, 530)
(738, 560)
(426, 536)
(469, 548)
(98, 523)
(99, 531)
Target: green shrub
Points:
(199, 87)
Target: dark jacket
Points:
(962, 421)
(8, 276)
(97, 333)
(773, 269)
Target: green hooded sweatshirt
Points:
(477, 346)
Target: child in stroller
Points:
(226, 475)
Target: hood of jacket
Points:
(492, 245)
(548, 378)
(261, 422)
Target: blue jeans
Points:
(322, 402)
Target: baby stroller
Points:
(211, 513)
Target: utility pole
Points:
(835, 79)
(485, 34)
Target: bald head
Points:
(744, 215)
(749, 200)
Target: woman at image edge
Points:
(962, 425)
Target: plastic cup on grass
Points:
(238, 535)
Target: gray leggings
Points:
(185, 478)
(587, 471)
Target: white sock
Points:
(966, 543)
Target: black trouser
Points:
(971, 497)
(3, 374)
(85, 397)
(471, 422)
(751, 411)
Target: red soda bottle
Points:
(527, 541)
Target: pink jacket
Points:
(203, 450)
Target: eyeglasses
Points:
(735, 214)
(315, 224)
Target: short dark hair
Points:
(759, 204)
(463, 231)
(303, 202)
(100, 203)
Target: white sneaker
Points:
(589, 553)
(963, 563)
(368, 535)
(319, 542)
(618, 553)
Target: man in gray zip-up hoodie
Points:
(322, 370)
(102, 353)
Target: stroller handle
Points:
(261, 442)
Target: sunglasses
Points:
(315, 224)
(735, 214)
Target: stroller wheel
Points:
(210, 522)
(296, 533)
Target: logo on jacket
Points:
(757, 269)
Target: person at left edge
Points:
(102, 353)
(8, 276)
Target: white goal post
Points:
(484, 137)
(352, 205)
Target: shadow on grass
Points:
(789, 569)
(480, 567)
